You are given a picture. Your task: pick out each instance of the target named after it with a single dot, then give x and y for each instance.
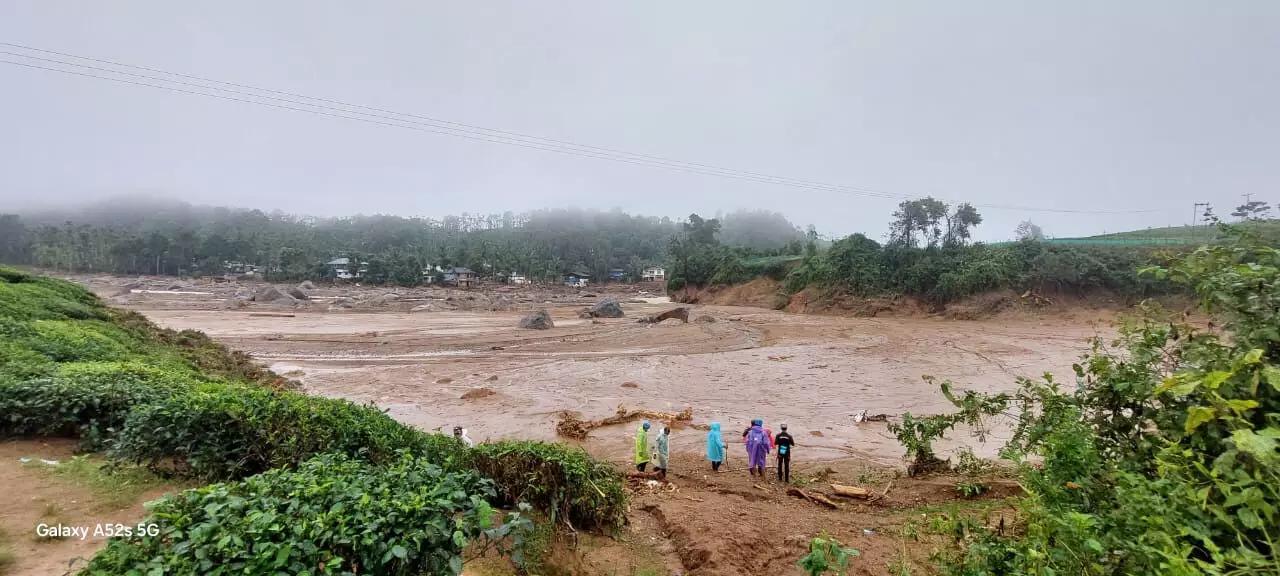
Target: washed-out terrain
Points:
(460, 359)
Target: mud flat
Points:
(813, 372)
(476, 368)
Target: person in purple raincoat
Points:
(758, 446)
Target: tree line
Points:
(927, 254)
(174, 238)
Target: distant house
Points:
(654, 274)
(577, 279)
(340, 268)
(239, 268)
(460, 277)
(430, 272)
(515, 278)
(617, 274)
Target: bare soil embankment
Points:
(768, 293)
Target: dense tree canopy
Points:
(150, 237)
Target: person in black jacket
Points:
(784, 442)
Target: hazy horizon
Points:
(1141, 105)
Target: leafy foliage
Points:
(563, 480)
(87, 401)
(227, 431)
(826, 555)
(860, 266)
(1165, 458)
(331, 515)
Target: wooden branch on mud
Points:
(570, 426)
(851, 491)
(270, 315)
(882, 494)
(812, 497)
(644, 475)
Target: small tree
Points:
(923, 217)
(960, 224)
(1028, 230)
(1255, 210)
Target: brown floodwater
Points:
(812, 372)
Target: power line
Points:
(439, 129)
(467, 127)
(393, 124)
(445, 127)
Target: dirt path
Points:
(34, 499)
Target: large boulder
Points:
(607, 308)
(299, 294)
(424, 308)
(271, 294)
(537, 320)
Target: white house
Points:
(341, 268)
(515, 278)
(654, 274)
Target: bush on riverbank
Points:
(332, 515)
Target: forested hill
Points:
(166, 237)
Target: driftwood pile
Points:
(571, 426)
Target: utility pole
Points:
(1195, 216)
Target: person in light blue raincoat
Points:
(715, 447)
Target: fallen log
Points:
(270, 315)
(812, 497)
(644, 475)
(571, 426)
(850, 491)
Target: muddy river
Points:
(811, 372)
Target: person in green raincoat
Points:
(642, 446)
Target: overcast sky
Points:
(1079, 105)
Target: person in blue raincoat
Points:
(715, 447)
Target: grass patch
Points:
(114, 486)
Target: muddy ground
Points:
(810, 371)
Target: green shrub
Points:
(12, 276)
(332, 515)
(561, 480)
(1166, 457)
(90, 408)
(226, 431)
(75, 341)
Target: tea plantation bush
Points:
(562, 480)
(89, 401)
(227, 431)
(332, 515)
(1165, 459)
